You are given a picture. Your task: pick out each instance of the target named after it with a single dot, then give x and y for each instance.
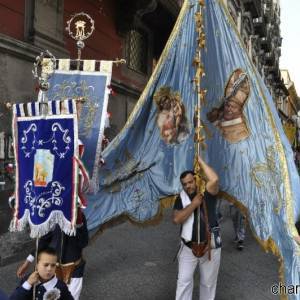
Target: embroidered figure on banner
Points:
(267, 176)
(171, 117)
(75, 90)
(56, 129)
(122, 170)
(229, 116)
(45, 200)
(43, 167)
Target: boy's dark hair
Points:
(48, 250)
(185, 173)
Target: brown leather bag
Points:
(200, 248)
(64, 271)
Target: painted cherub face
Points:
(167, 123)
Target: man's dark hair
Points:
(185, 173)
(48, 250)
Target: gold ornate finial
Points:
(118, 61)
(202, 2)
(8, 105)
(43, 68)
(80, 30)
(80, 99)
(80, 27)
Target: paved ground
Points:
(134, 263)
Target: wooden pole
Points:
(35, 264)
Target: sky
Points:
(290, 32)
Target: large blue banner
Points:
(92, 88)
(246, 144)
(144, 162)
(46, 171)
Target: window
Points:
(137, 51)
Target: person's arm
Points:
(82, 234)
(24, 291)
(180, 216)
(212, 184)
(23, 268)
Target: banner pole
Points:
(35, 264)
(199, 137)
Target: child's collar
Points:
(49, 285)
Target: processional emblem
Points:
(43, 68)
(80, 27)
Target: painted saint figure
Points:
(171, 118)
(229, 116)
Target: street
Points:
(131, 262)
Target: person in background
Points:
(239, 225)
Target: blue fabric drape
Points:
(257, 169)
(143, 163)
(250, 152)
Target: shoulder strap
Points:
(207, 228)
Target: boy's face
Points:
(46, 266)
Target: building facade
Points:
(130, 29)
(135, 30)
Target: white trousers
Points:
(209, 270)
(75, 287)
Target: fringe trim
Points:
(37, 231)
(168, 202)
(164, 203)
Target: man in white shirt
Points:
(197, 215)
